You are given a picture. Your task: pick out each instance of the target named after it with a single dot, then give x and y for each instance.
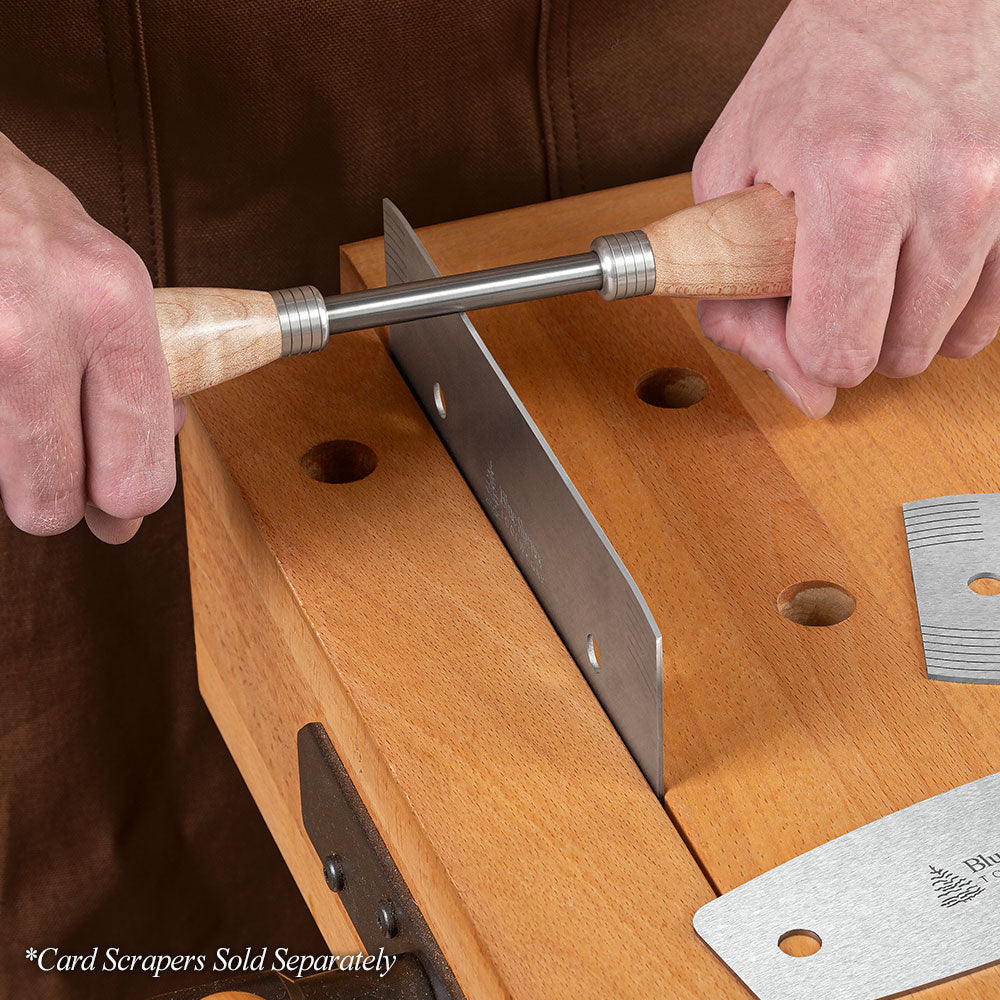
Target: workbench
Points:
(359, 585)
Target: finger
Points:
(755, 329)
(128, 415)
(180, 415)
(721, 165)
(977, 324)
(41, 447)
(112, 530)
(843, 275)
(117, 530)
(929, 297)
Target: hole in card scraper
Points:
(800, 944)
(593, 653)
(439, 403)
(985, 584)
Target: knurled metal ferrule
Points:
(627, 264)
(305, 326)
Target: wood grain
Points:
(388, 609)
(210, 335)
(778, 736)
(737, 246)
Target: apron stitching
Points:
(549, 155)
(572, 95)
(114, 113)
(144, 97)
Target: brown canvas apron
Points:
(239, 144)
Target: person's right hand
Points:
(86, 418)
(883, 120)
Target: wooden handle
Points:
(210, 335)
(739, 246)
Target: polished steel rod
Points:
(464, 292)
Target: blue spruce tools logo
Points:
(952, 889)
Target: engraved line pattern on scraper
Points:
(952, 540)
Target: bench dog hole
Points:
(985, 584)
(339, 461)
(816, 603)
(672, 388)
(800, 944)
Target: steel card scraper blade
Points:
(582, 584)
(906, 901)
(954, 542)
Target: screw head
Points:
(386, 917)
(333, 872)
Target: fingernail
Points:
(112, 530)
(787, 391)
(180, 414)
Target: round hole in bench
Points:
(816, 603)
(800, 944)
(672, 388)
(985, 584)
(339, 461)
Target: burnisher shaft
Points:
(617, 266)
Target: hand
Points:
(86, 419)
(883, 120)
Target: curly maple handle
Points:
(210, 335)
(739, 246)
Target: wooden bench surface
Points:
(388, 609)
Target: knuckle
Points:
(54, 503)
(967, 345)
(961, 350)
(120, 291)
(842, 369)
(701, 173)
(47, 519)
(869, 172)
(718, 166)
(139, 491)
(704, 158)
(904, 363)
(975, 179)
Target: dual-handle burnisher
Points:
(739, 246)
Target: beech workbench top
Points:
(388, 609)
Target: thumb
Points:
(755, 329)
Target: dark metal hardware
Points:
(333, 872)
(358, 866)
(386, 918)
